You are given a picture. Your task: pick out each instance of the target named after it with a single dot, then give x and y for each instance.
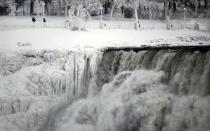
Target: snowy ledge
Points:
(202, 48)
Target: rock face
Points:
(115, 90)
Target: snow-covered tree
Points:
(8, 4)
(134, 4)
(115, 4)
(128, 4)
(195, 3)
(4, 3)
(93, 6)
(171, 5)
(19, 2)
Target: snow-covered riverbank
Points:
(65, 39)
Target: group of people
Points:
(44, 20)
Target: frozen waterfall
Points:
(36, 83)
(160, 90)
(120, 90)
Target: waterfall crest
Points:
(187, 72)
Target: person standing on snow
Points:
(44, 22)
(33, 21)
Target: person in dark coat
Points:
(33, 20)
(44, 21)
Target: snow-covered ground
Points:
(52, 38)
(17, 33)
(94, 22)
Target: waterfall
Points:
(187, 72)
(73, 79)
(36, 84)
(154, 90)
(117, 90)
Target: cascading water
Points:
(154, 90)
(184, 70)
(148, 90)
(36, 83)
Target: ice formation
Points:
(34, 82)
(154, 90)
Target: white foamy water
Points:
(52, 90)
